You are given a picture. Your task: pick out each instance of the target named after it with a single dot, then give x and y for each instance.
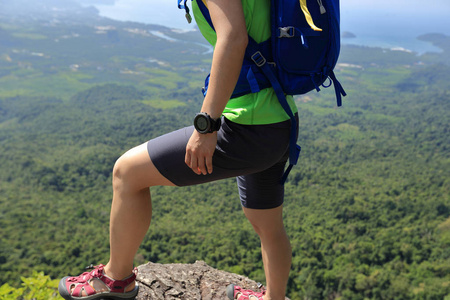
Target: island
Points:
(348, 35)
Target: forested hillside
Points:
(367, 207)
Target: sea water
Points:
(373, 28)
(393, 29)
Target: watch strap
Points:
(215, 124)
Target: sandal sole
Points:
(230, 291)
(102, 296)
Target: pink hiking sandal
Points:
(83, 287)
(235, 292)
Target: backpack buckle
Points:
(288, 32)
(258, 59)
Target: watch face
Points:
(202, 124)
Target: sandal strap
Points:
(117, 286)
(245, 294)
(82, 281)
(80, 287)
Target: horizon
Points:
(431, 17)
(372, 24)
(401, 25)
(356, 15)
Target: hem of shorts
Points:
(264, 207)
(161, 170)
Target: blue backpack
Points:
(299, 57)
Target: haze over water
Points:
(393, 26)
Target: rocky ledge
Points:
(196, 281)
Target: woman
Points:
(246, 137)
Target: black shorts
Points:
(255, 154)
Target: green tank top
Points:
(257, 108)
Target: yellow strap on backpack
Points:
(308, 16)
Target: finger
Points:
(209, 164)
(187, 159)
(202, 166)
(194, 166)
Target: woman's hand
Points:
(199, 151)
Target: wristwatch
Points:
(203, 123)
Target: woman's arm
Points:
(229, 23)
(228, 20)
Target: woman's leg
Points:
(275, 248)
(131, 209)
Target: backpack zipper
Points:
(322, 8)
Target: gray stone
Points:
(196, 281)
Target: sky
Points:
(411, 6)
(165, 12)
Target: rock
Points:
(348, 35)
(196, 281)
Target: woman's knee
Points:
(269, 230)
(123, 170)
(135, 170)
(267, 223)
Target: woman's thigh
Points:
(240, 150)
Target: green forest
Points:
(367, 208)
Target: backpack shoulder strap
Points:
(205, 11)
(260, 61)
